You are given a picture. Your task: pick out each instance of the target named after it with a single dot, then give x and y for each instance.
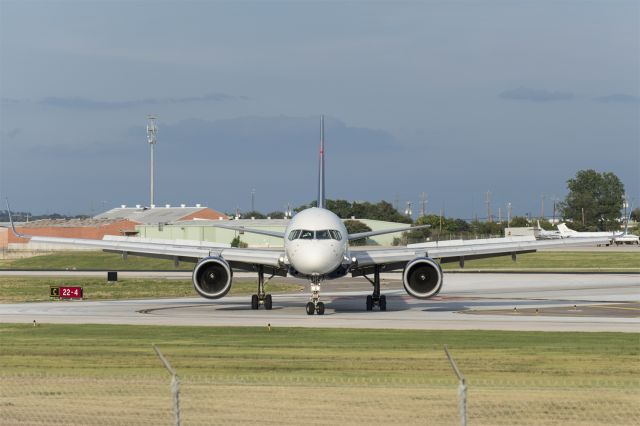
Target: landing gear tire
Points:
(254, 301)
(369, 303)
(383, 303)
(320, 308)
(268, 302)
(310, 308)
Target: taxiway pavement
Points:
(531, 302)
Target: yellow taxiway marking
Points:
(614, 307)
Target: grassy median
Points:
(110, 374)
(36, 289)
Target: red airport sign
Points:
(65, 292)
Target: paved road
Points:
(564, 302)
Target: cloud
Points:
(535, 95)
(84, 103)
(618, 98)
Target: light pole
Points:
(152, 131)
(408, 211)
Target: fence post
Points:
(175, 384)
(462, 389)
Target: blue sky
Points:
(448, 98)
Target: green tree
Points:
(236, 242)
(635, 214)
(355, 226)
(595, 196)
(520, 222)
(276, 215)
(344, 209)
(254, 214)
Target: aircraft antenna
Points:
(152, 131)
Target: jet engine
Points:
(422, 278)
(212, 277)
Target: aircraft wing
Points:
(180, 251)
(360, 235)
(251, 230)
(459, 251)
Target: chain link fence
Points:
(45, 399)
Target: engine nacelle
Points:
(422, 278)
(212, 277)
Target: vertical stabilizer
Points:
(321, 195)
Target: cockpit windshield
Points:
(324, 234)
(306, 235)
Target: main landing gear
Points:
(314, 304)
(376, 299)
(261, 298)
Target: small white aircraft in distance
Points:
(612, 237)
(543, 234)
(316, 247)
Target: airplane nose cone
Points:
(315, 258)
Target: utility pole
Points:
(488, 201)
(253, 199)
(152, 131)
(499, 214)
(554, 211)
(423, 204)
(509, 215)
(582, 209)
(396, 202)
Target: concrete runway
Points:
(542, 302)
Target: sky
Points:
(449, 98)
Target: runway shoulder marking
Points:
(619, 310)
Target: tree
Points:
(635, 214)
(253, 214)
(344, 209)
(355, 226)
(595, 198)
(519, 222)
(236, 242)
(276, 215)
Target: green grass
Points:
(33, 289)
(332, 353)
(618, 261)
(109, 374)
(92, 260)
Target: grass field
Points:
(315, 376)
(92, 260)
(619, 261)
(622, 261)
(34, 289)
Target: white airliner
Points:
(316, 247)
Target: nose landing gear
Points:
(261, 298)
(314, 304)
